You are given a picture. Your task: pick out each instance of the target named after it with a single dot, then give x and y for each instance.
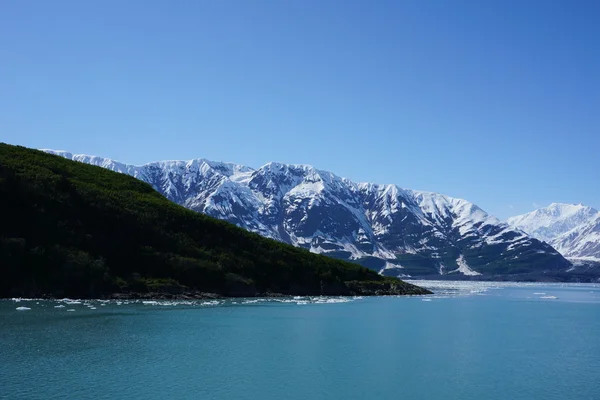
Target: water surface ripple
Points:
(467, 341)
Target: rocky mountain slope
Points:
(572, 229)
(396, 231)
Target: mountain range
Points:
(572, 229)
(396, 231)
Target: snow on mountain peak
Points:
(550, 222)
(380, 225)
(573, 229)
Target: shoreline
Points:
(194, 296)
(202, 296)
(349, 289)
(418, 282)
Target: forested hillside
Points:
(71, 229)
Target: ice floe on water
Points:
(531, 291)
(252, 301)
(445, 289)
(334, 300)
(91, 305)
(298, 300)
(542, 292)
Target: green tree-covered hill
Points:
(71, 229)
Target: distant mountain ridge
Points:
(399, 232)
(572, 229)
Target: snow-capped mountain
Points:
(397, 231)
(572, 229)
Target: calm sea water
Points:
(469, 341)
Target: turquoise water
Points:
(469, 341)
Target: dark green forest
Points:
(72, 229)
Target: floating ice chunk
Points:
(59, 306)
(71, 309)
(548, 297)
(23, 308)
(539, 293)
(151, 302)
(71, 302)
(332, 300)
(93, 308)
(425, 299)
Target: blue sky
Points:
(496, 102)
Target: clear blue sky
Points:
(497, 102)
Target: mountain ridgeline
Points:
(397, 232)
(572, 229)
(70, 229)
